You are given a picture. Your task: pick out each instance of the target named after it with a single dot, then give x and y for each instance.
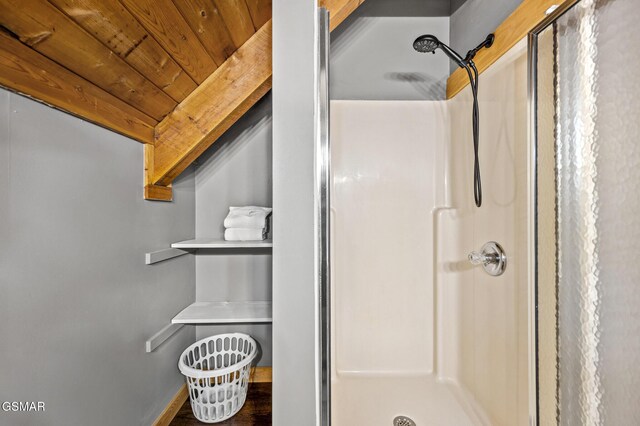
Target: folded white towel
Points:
(247, 217)
(245, 234)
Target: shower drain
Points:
(403, 421)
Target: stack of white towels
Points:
(250, 223)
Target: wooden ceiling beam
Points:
(47, 30)
(112, 24)
(151, 191)
(26, 71)
(166, 24)
(219, 102)
(174, 74)
(213, 107)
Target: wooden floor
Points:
(255, 412)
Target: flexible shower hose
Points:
(472, 71)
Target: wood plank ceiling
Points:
(172, 74)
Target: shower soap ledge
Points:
(225, 313)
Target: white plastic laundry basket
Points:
(217, 371)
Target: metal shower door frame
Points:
(322, 221)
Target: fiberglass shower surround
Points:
(417, 331)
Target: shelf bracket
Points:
(161, 336)
(161, 255)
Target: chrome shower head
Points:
(426, 44)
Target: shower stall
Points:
(410, 331)
(418, 332)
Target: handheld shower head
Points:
(429, 43)
(426, 44)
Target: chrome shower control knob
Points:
(491, 257)
(477, 258)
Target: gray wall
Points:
(372, 56)
(371, 53)
(472, 20)
(294, 341)
(77, 301)
(235, 171)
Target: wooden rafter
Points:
(213, 107)
(199, 120)
(47, 30)
(173, 74)
(26, 71)
(151, 54)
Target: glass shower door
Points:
(587, 126)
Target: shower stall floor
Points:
(376, 401)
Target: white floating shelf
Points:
(224, 313)
(216, 243)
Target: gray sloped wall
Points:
(77, 301)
